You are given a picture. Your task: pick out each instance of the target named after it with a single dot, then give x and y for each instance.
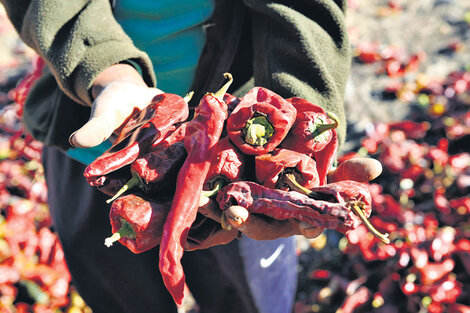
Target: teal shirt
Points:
(172, 34)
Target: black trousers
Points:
(114, 280)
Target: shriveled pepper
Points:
(282, 205)
(272, 167)
(156, 171)
(137, 223)
(260, 122)
(161, 115)
(227, 165)
(202, 135)
(351, 193)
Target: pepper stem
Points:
(258, 130)
(219, 94)
(126, 231)
(209, 193)
(188, 96)
(360, 213)
(131, 183)
(319, 129)
(290, 179)
(223, 222)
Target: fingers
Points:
(309, 231)
(110, 109)
(357, 169)
(220, 237)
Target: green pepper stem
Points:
(210, 193)
(131, 183)
(258, 130)
(291, 181)
(126, 231)
(321, 128)
(219, 94)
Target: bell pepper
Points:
(260, 122)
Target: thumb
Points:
(109, 110)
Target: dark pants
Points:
(116, 280)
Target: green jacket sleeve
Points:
(301, 48)
(78, 39)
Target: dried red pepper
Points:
(260, 122)
(332, 207)
(202, 135)
(227, 165)
(161, 115)
(271, 168)
(137, 223)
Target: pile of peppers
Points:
(268, 154)
(422, 198)
(33, 274)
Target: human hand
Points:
(117, 91)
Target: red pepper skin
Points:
(331, 213)
(157, 170)
(231, 102)
(279, 112)
(228, 162)
(145, 217)
(202, 135)
(166, 109)
(111, 183)
(300, 139)
(271, 166)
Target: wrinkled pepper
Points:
(202, 134)
(260, 122)
(272, 167)
(282, 205)
(160, 116)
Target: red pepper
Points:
(271, 168)
(137, 223)
(165, 110)
(312, 129)
(355, 300)
(341, 206)
(260, 122)
(228, 163)
(202, 135)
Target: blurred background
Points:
(407, 104)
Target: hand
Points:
(117, 91)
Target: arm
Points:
(77, 39)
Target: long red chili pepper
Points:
(260, 122)
(281, 205)
(271, 168)
(202, 135)
(137, 223)
(349, 192)
(166, 110)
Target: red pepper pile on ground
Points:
(423, 202)
(33, 273)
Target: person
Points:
(105, 58)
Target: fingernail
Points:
(72, 140)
